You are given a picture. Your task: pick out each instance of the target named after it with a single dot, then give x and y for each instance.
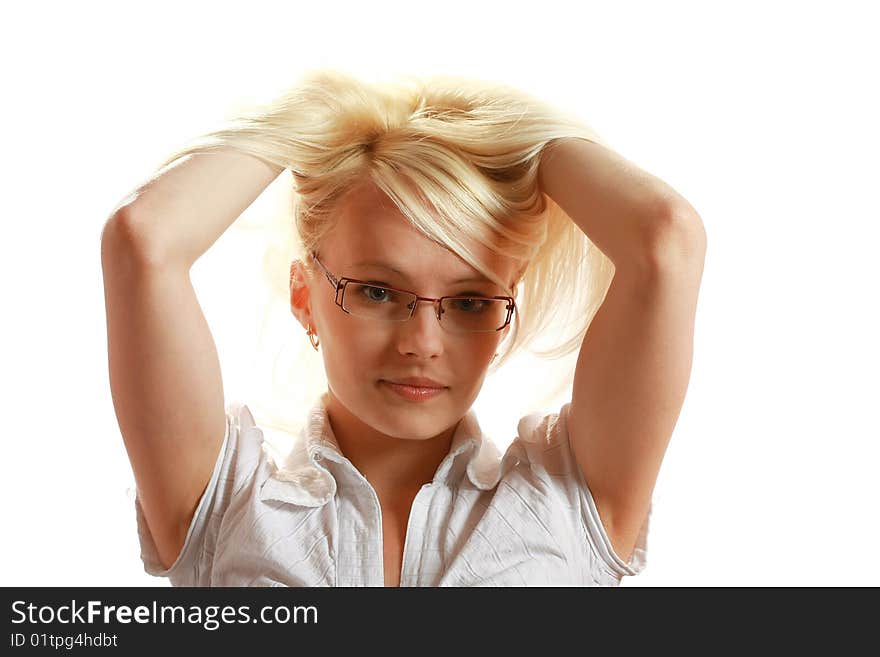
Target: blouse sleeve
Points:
(546, 441)
(236, 463)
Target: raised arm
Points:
(186, 206)
(634, 364)
(164, 370)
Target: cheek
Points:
(354, 354)
(470, 364)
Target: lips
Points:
(414, 393)
(417, 382)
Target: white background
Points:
(762, 114)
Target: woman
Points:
(432, 217)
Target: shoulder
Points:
(240, 455)
(543, 438)
(244, 450)
(545, 443)
(239, 415)
(542, 427)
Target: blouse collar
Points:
(300, 477)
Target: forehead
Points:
(370, 229)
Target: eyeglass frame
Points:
(340, 283)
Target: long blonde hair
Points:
(459, 157)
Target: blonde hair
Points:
(459, 157)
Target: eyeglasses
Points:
(456, 314)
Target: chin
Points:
(410, 421)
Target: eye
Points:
(375, 293)
(472, 305)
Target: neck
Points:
(393, 466)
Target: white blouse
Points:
(526, 518)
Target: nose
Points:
(421, 304)
(422, 333)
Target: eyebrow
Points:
(382, 265)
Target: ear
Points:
(300, 298)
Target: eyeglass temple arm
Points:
(330, 277)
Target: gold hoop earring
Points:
(313, 337)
